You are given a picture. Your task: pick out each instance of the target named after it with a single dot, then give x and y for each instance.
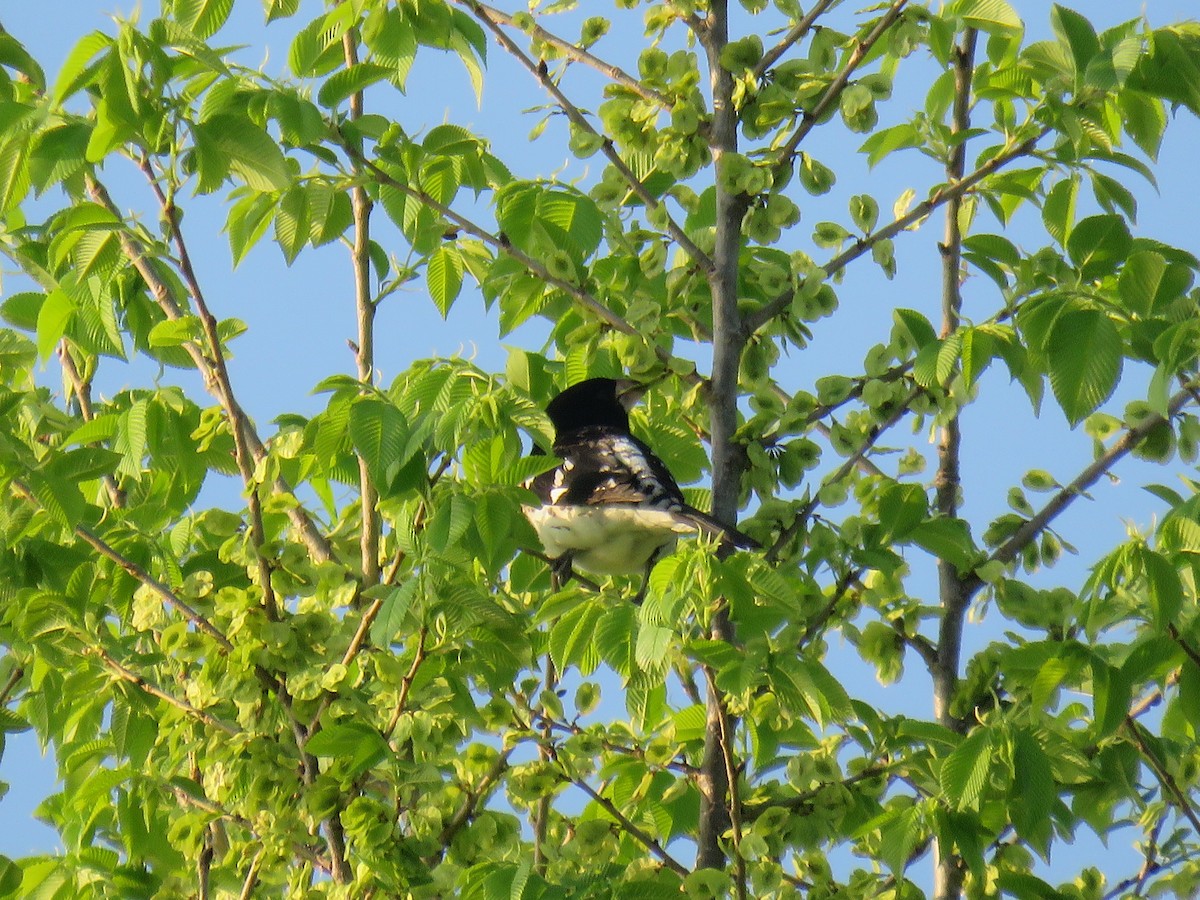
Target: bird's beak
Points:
(629, 392)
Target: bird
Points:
(611, 506)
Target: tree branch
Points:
(137, 572)
(1029, 531)
(949, 871)
(148, 687)
(631, 829)
(364, 307)
(698, 256)
(795, 33)
(942, 195)
(135, 252)
(573, 52)
(810, 117)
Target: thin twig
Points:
(1181, 800)
(251, 880)
(943, 195)
(698, 256)
(149, 687)
(1029, 531)
(496, 242)
(851, 462)
(14, 678)
(406, 683)
(827, 99)
(472, 798)
(795, 33)
(631, 829)
(318, 546)
(83, 396)
(137, 572)
(574, 53)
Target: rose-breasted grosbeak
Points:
(611, 507)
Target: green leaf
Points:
(888, 140)
(203, 18)
(350, 81)
(1058, 210)
(444, 276)
(1084, 355)
(1140, 279)
(573, 638)
(1033, 791)
(1078, 34)
(292, 225)
(280, 9)
(14, 170)
(964, 773)
(899, 837)
(392, 613)
(79, 64)
(251, 153)
(988, 15)
(1165, 588)
(53, 317)
(948, 539)
(1098, 244)
(1111, 696)
(1179, 534)
(379, 433)
(916, 329)
(361, 745)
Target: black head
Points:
(597, 401)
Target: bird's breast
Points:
(606, 540)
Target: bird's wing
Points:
(604, 467)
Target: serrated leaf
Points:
(292, 225)
(53, 317)
(1033, 790)
(252, 154)
(444, 277)
(1084, 356)
(1164, 587)
(1111, 696)
(203, 17)
(350, 81)
(915, 327)
(989, 15)
(964, 773)
(1098, 244)
(392, 613)
(572, 638)
(360, 744)
(378, 432)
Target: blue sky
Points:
(301, 317)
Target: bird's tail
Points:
(728, 535)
